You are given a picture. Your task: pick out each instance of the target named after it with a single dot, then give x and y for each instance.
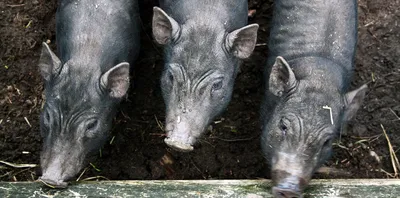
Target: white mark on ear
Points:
(178, 119)
(330, 112)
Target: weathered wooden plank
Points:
(364, 188)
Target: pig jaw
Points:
(180, 142)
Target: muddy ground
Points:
(230, 149)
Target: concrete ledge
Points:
(364, 188)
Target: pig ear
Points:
(242, 41)
(281, 77)
(164, 27)
(49, 63)
(116, 80)
(354, 100)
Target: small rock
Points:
(9, 88)
(252, 13)
(359, 130)
(29, 102)
(350, 145)
(375, 156)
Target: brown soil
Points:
(230, 149)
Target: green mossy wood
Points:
(202, 188)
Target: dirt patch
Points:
(231, 146)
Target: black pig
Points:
(205, 41)
(309, 69)
(97, 42)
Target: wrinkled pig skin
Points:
(97, 42)
(310, 65)
(204, 43)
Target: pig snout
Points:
(58, 169)
(287, 185)
(53, 176)
(179, 136)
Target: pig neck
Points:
(322, 71)
(232, 14)
(76, 74)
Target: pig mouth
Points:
(60, 184)
(285, 193)
(178, 145)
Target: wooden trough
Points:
(364, 188)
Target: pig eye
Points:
(327, 142)
(216, 86)
(283, 125)
(92, 125)
(170, 76)
(45, 128)
(46, 117)
(201, 91)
